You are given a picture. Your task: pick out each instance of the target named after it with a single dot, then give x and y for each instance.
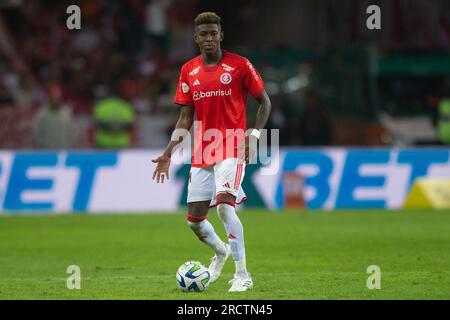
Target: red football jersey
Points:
(219, 95)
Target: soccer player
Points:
(214, 86)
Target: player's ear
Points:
(221, 36)
(195, 36)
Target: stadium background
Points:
(357, 110)
(332, 81)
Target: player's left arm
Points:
(265, 107)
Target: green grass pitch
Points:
(291, 255)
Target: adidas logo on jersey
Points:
(196, 82)
(226, 185)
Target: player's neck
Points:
(212, 58)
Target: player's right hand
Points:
(162, 168)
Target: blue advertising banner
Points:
(94, 181)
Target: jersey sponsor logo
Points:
(225, 78)
(253, 70)
(194, 71)
(196, 82)
(184, 87)
(197, 95)
(227, 67)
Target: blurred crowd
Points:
(130, 50)
(111, 84)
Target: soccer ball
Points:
(192, 276)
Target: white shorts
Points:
(226, 176)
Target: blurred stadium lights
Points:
(295, 83)
(289, 86)
(406, 131)
(272, 88)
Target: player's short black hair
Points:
(207, 18)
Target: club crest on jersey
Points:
(184, 87)
(225, 78)
(227, 67)
(194, 71)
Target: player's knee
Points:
(198, 209)
(223, 209)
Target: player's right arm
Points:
(184, 99)
(182, 128)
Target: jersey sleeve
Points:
(183, 95)
(252, 79)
